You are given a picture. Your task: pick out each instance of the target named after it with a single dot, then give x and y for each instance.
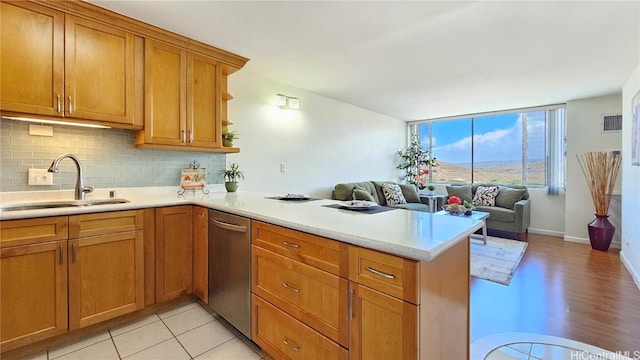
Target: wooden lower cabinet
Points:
(174, 256)
(381, 326)
(106, 277)
(33, 293)
(284, 337)
(201, 253)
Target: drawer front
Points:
(283, 337)
(105, 223)
(387, 273)
(31, 231)
(309, 249)
(315, 297)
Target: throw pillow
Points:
(507, 197)
(343, 192)
(486, 196)
(362, 194)
(393, 194)
(461, 191)
(410, 193)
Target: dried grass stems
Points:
(600, 170)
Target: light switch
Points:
(40, 177)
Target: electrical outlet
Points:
(40, 177)
(283, 167)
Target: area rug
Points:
(496, 261)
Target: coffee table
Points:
(477, 215)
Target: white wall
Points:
(547, 212)
(584, 135)
(323, 143)
(630, 185)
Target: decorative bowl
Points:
(455, 210)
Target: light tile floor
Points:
(526, 346)
(185, 332)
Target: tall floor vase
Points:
(601, 232)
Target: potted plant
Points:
(431, 188)
(231, 176)
(600, 170)
(416, 163)
(228, 137)
(469, 206)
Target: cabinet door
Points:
(165, 94)
(174, 243)
(33, 293)
(201, 253)
(32, 57)
(382, 327)
(99, 72)
(203, 102)
(106, 277)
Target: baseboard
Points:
(546, 232)
(634, 274)
(575, 239)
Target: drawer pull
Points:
(388, 276)
(293, 347)
(289, 287)
(291, 244)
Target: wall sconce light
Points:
(287, 102)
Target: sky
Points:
(497, 138)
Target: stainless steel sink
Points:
(61, 204)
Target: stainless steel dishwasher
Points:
(230, 269)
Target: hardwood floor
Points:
(562, 289)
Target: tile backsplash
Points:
(108, 156)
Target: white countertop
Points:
(412, 234)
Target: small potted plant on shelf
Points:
(431, 188)
(228, 137)
(231, 176)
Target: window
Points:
(506, 147)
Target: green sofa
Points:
(345, 192)
(512, 212)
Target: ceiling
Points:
(419, 59)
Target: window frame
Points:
(414, 126)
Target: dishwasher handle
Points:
(228, 226)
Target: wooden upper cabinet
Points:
(204, 125)
(32, 58)
(62, 66)
(182, 100)
(165, 94)
(99, 72)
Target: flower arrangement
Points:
(416, 162)
(455, 206)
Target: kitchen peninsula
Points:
(388, 285)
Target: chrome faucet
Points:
(80, 188)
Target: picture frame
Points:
(635, 130)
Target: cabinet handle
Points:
(388, 276)
(291, 245)
(70, 106)
(61, 255)
(293, 347)
(289, 287)
(73, 252)
(184, 136)
(59, 106)
(351, 293)
(202, 219)
(190, 136)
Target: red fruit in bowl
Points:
(454, 200)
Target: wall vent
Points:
(611, 122)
